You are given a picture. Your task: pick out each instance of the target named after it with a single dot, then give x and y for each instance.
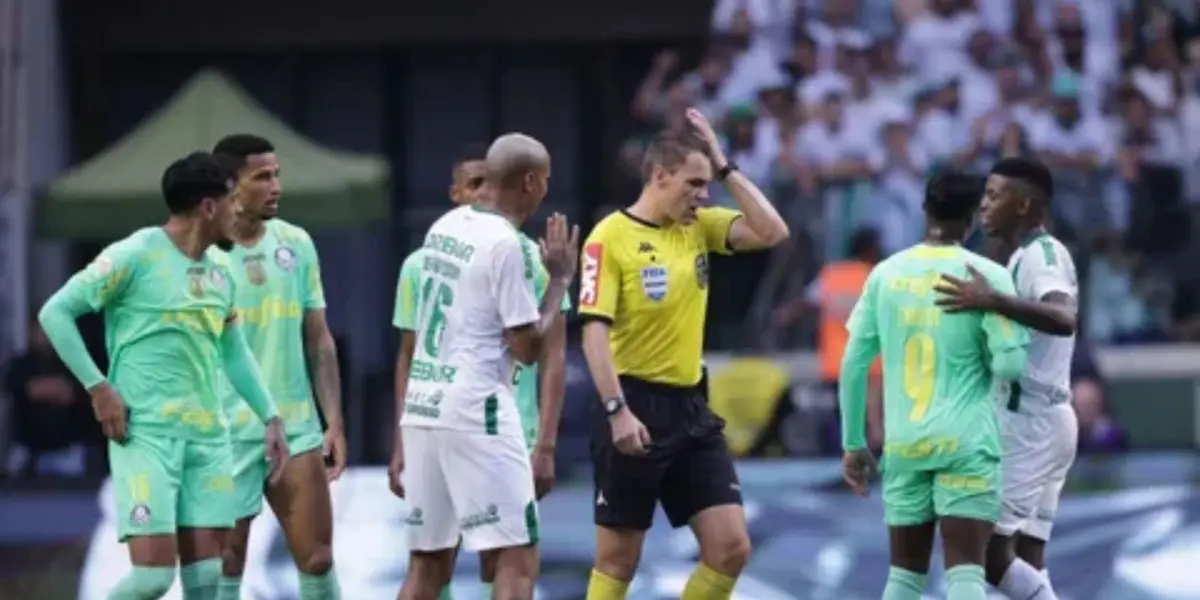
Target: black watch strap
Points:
(724, 171)
(613, 405)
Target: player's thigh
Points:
(206, 491)
(302, 504)
(626, 487)
(907, 497)
(491, 488)
(250, 469)
(1027, 463)
(699, 476)
(969, 488)
(1061, 457)
(146, 479)
(431, 525)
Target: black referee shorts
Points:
(687, 468)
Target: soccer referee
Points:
(643, 294)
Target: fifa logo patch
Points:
(702, 270)
(654, 282)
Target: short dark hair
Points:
(242, 145)
(1031, 172)
(953, 196)
(670, 151)
(470, 153)
(197, 176)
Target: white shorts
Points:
(1038, 448)
(473, 486)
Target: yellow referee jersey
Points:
(650, 283)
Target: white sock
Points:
(1023, 582)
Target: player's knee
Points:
(618, 559)
(998, 557)
(728, 553)
(317, 562)
(233, 559)
(151, 583)
(430, 570)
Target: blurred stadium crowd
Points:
(842, 108)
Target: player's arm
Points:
(404, 319)
(1007, 342)
(527, 324)
(98, 285)
(319, 348)
(552, 366)
(242, 371)
(1049, 279)
(861, 350)
(599, 294)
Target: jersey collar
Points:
(1033, 235)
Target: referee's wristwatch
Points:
(613, 405)
(723, 172)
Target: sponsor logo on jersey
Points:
(103, 265)
(256, 272)
(285, 257)
(654, 282)
(645, 248)
(217, 278)
(589, 281)
(489, 516)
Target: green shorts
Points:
(162, 484)
(250, 470)
(969, 488)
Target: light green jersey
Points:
(938, 395)
(278, 280)
(525, 377)
(164, 315)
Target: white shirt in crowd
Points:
(932, 43)
(462, 371)
(1088, 135)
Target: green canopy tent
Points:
(118, 190)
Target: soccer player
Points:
(1038, 425)
(465, 468)
(170, 321)
(539, 399)
(282, 304)
(941, 437)
(644, 293)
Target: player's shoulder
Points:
(611, 226)
(218, 257)
(144, 243)
(287, 232)
(985, 265)
(1047, 252)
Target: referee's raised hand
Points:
(560, 248)
(629, 435)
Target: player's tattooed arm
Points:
(321, 353)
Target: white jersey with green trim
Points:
(1040, 266)
(472, 286)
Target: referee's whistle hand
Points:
(630, 436)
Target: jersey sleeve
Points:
(511, 268)
(1002, 334)
(863, 322)
(312, 292)
(715, 222)
(1044, 270)
(106, 279)
(599, 276)
(404, 316)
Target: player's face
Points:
(1001, 210)
(258, 186)
(468, 184)
(686, 188)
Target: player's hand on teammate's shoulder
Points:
(110, 411)
(972, 293)
(542, 461)
(277, 449)
(333, 448)
(396, 466)
(629, 435)
(560, 248)
(858, 467)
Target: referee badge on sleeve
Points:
(654, 282)
(702, 270)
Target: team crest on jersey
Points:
(285, 257)
(702, 270)
(256, 271)
(196, 282)
(140, 515)
(654, 282)
(217, 278)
